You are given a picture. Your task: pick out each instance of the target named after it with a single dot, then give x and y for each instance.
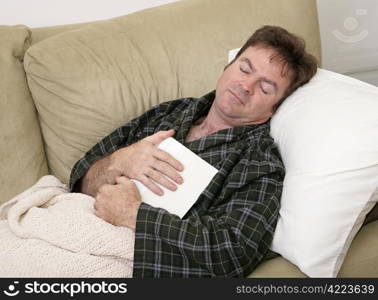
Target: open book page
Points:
(197, 175)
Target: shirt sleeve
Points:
(229, 243)
(107, 145)
(123, 136)
(120, 137)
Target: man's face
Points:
(249, 88)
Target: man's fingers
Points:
(148, 183)
(166, 157)
(160, 136)
(161, 179)
(165, 169)
(122, 180)
(127, 182)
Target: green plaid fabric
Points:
(230, 227)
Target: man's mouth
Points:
(237, 97)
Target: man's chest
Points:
(194, 133)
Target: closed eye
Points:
(244, 70)
(267, 88)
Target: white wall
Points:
(348, 31)
(39, 13)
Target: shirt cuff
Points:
(150, 220)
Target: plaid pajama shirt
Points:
(230, 227)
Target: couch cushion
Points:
(22, 157)
(372, 215)
(277, 267)
(360, 261)
(88, 81)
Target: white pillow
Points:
(327, 133)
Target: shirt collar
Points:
(182, 122)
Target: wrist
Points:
(113, 162)
(131, 218)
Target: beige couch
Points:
(63, 88)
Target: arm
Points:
(228, 239)
(122, 137)
(119, 138)
(142, 161)
(97, 175)
(118, 204)
(230, 242)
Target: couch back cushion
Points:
(22, 157)
(90, 80)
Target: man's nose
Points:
(249, 86)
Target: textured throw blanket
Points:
(48, 232)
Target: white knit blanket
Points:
(48, 232)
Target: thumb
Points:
(122, 180)
(160, 136)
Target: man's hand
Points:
(142, 161)
(145, 162)
(118, 204)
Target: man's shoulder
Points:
(180, 105)
(169, 106)
(184, 102)
(163, 109)
(262, 145)
(259, 134)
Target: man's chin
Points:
(231, 114)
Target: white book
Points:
(197, 175)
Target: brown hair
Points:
(290, 50)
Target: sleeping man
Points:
(100, 227)
(230, 227)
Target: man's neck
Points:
(206, 126)
(213, 123)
